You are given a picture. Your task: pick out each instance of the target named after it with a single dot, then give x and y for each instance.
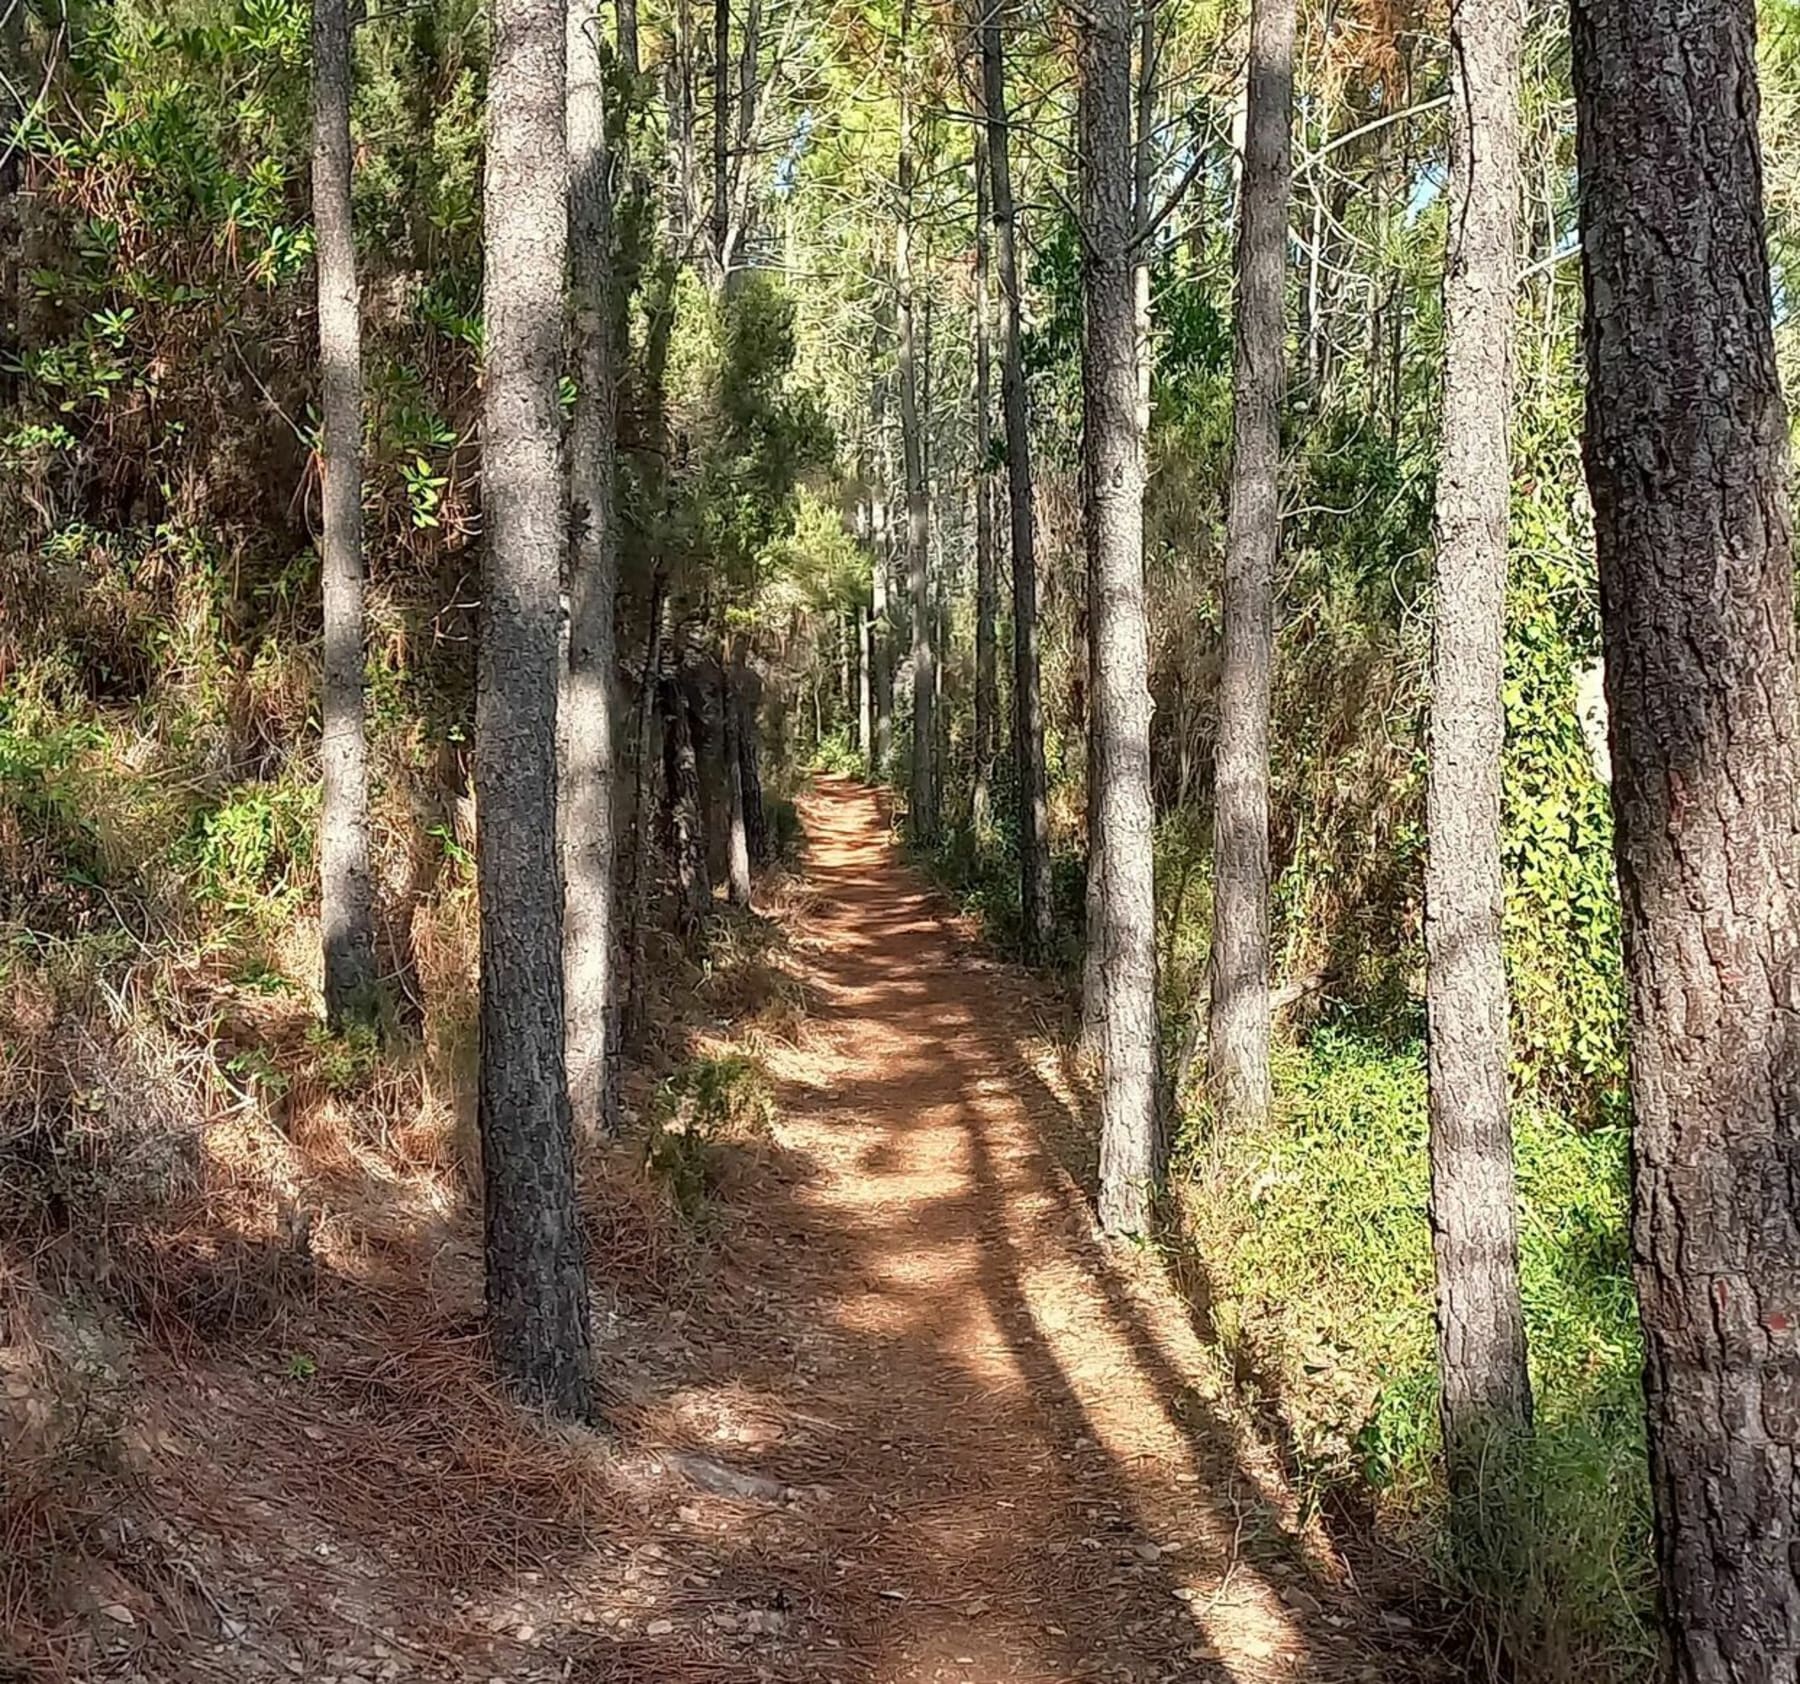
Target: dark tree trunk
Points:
(626, 12)
(1687, 462)
(721, 141)
(987, 682)
(1474, 1203)
(1121, 892)
(922, 792)
(536, 1283)
(853, 676)
(684, 837)
(1239, 1006)
(589, 829)
(638, 892)
(1028, 712)
(346, 892)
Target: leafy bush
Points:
(1308, 1246)
(708, 1102)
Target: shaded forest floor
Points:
(915, 1424)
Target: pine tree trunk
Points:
(987, 681)
(1028, 712)
(685, 839)
(589, 830)
(1239, 1005)
(626, 11)
(737, 836)
(637, 918)
(536, 1283)
(1687, 463)
(922, 793)
(866, 685)
(721, 142)
(748, 689)
(346, 891)
(1474, 1204)
(1121, 891)
(881, 636)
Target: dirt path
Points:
(1020, 1472)
(914, 1425)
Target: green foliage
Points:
(1562, 909)
(1309, 1245)
(708, 1103)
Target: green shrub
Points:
(705, 1104)
(1308, 1244)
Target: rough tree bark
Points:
(626, 12)
(591, 706)
(747, 687)
(684, 836)
(1028, 711)
(536, 1284)
(720, 220)
(922, 793)
(987, 682)
(1239, 998)
(346, 891)
(881, 640)
(1474, 1203)
(737, 835)
(637, 893)
(1687, 463)
(1121, 894)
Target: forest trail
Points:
(1020, 1475)
(910, 1423)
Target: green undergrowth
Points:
(1307, 1250)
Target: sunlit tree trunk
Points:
(987, 684)
(1121, 895)
(1239, 1005)
(1687, 462)
(881, 643)
(737, 835)
(346, 892)
(1485, 1387)
(536, 1282)
(1028, 713)
(922, 793)
(589, 843)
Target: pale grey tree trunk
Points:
(922, 793)
(1239, 1002)
(591, 705)
(987, 681)
(881, 639)
(1687, 462)
(1028, 712)
(1121, 888)
(536, 1280)
(1485, 1387)
(346, 890)
(865, 670)
(737, 836)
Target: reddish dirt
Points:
(918, 1426)
(1026, 1422)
